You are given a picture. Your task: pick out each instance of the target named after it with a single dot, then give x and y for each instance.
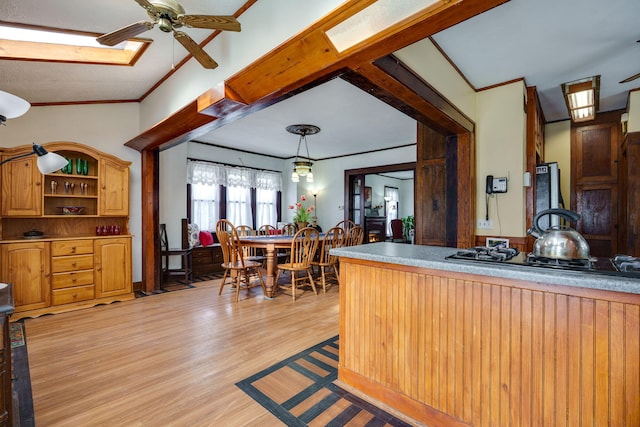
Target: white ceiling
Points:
(546, 42)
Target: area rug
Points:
(17, 335)
(300, 391)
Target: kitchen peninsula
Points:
(449, 342)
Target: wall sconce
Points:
(624, 120)
(47, 162)
(582, 98)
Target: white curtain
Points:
(206, 179)
(206, 173)
(266, 207)
(205, 205)
(239, 205)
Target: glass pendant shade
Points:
(302, 167)
(12, 106)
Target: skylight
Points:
(55, 45)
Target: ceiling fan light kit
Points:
(11, 106)
(169, 15)
(302, 167)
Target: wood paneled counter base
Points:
(452, 348)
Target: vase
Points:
(301, 225)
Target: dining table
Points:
(270, 244)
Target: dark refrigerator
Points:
(548, 195)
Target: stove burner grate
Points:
(578, 264)
(488, 254)
(626, 263)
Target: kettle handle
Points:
(567, 214)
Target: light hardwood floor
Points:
(171, 359)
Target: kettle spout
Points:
(532, 232)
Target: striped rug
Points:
(300, 391)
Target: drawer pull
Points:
(73, 249)
(74, 264)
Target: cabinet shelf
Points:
(71, 196)
(71, 175)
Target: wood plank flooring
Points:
(170, 359)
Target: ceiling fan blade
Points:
(148, 6)
(200, 55)
(226, 23)
(628, 79)
(125, 33)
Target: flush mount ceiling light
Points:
(11, 106)
(302, 167)
(582, 98)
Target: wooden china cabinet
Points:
(82, 256)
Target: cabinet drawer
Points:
(76, 278)
(71, 263)
(69, 295)
(217, 255)
(71, 247)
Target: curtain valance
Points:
(229, 176)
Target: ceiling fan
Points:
(169, 15)
(635, 76)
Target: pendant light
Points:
(302, 167)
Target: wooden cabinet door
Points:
(112, 266)
(114, 189)
(21, 187)
(595, 171)
(26, 267)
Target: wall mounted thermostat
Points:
(499, 185)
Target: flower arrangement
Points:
(303, 213)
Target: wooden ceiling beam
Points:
(299, 62)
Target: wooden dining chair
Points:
(186, 268)
(303, 249)
(266, 230)
(245, 230)
(355, 236)
(334, 238)
(235, 263)
(346, 225)
(288, 229)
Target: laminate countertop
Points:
(434, 257)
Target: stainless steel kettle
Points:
(559, 241)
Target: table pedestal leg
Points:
(270, 279)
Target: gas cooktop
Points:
(620, 265)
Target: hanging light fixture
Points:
(11, 106)
(302, 167)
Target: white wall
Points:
(633, 124)
(557, 148)
(103, 126)
(500, 151)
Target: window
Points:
(36, 43)
(241, 195)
